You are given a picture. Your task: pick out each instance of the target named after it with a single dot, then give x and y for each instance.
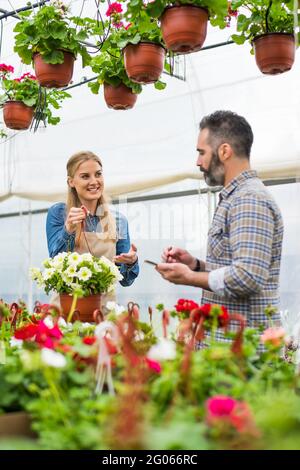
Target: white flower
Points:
(71, 271)
(67, 280)
(113, 306)
(48, 321)
(35, 274)
(164, 350)
(74, 258)
(85, 325)
(48, 273)
(97, 267)
(14, 342)
(58, 261)
(87, 257)
(62, 322)
(84, 274)
(52, 358)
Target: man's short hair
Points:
(226, 126)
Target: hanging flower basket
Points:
(144, 62)
(274, 52)
(184, 28)
(119, 97)
(17, 115)
(54, 75)
(86, 306)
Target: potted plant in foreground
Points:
(269, 27)
(22, 98)
(52, 40)
(184, 22)
(77, 277)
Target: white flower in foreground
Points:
(97, 267)
(48, 273)
(48, 321)
(14, 342)
(35, 274)
(85, 325)
(62, 322)
(71, 271)
(87, 257)
(52, 358)
(84, 274)
(74, 258)
(164, 350)
(113, 306)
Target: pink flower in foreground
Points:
(220, 405)
(114, 8)
(273, 336)
(153, 365)
(6, 68)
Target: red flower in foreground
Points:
(114, 8)
(44, 336)
(89, 340)
(6, 68)
(153, 365)
(186, 306)
(210, 311)
(225, 410)
(27, 75)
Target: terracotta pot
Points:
(144, 62)
(119, 97)
(274, 52)
(85, 307)
(54, 75)
(16, 424)
(184, 28)
(17, 115)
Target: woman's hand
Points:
(75, 217)
(127, 258)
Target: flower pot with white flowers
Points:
(79, 279)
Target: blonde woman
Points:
(86, 224)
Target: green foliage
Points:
(217, 9)
(110, 69)
(261, 17)
(49, 30)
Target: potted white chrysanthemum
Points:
(79, 279)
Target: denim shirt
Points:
(60, 240)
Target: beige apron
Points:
(98, 244)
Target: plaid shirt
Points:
(245, 240)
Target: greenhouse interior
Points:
(134, 190)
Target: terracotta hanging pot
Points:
(144, 62)
(17, 115)
(85, 307)
(54, 75)
(184, 28)
(274, 52)
(119, 97)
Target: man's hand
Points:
(178, 255)
(127, 258)
(174, 272)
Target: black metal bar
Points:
(19, 10)
(213, 46)
(154, 197)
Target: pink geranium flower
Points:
(114, 8)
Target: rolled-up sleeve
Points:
(251, 227)
(58, 238)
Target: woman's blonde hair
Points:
(106, 219)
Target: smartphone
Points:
(150, 262)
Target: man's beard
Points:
(215, 174)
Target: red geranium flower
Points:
(186, 306)
(6, 68)
(153, 365)
(89, 340)
(114, 8)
